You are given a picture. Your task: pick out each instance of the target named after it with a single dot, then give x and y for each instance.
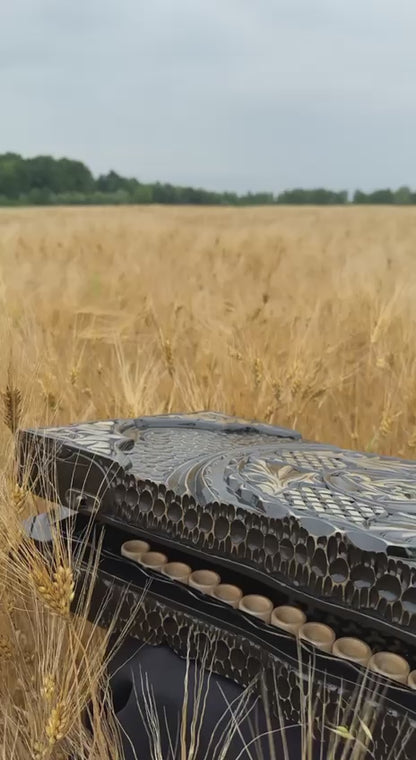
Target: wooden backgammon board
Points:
(285, 557)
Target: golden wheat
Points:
(12, 402)
(303, 317)
(56, 590)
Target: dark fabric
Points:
(137, 668)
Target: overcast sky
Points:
(226, 94)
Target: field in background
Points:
(301, 316)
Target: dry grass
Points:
(302, 317)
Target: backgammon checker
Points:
(293, 563)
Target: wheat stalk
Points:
(56, 590)
(12, 407)
(169, 357)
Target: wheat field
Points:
(304, 317)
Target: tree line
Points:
(47, 181)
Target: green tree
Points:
(403, 196)
(13, 180)
(45, 180)
(382, 197)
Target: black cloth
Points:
(147, 678)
